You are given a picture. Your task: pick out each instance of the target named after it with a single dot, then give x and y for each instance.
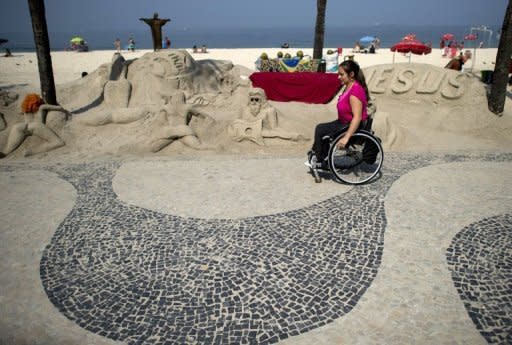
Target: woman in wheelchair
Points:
(352, 112)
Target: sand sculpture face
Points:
(156, 76)
(255, 102)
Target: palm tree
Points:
(319, 28)
(498, 93)
(44, 59)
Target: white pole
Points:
(474, 57)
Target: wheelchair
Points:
(359, 162)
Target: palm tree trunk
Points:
(319, 28)
(42, 43)
(498, 93)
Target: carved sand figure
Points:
(173, 123)
(156, 29)
(157, 75)
(3, 124)
(34, 112)
(259, 120)
(116, 96)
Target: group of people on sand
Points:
(129, 47)
(166, 44)
(371, 48)
(451, 48)
(197, 50)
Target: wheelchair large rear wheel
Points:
(360, 161)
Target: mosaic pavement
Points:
(480, 260)
(144, 277)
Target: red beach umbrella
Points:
(470, 37)
(411, 46)
(448, 37)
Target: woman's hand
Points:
(343, 142)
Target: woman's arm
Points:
(45, 108)
(49, 107)
(357, 111)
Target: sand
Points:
(21, 69)
(405, 121)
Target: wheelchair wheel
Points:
(360, 161)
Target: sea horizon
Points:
(251, 37)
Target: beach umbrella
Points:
(76, 40)
(411, 46)
(366, 40)
(448, 37)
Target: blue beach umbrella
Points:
(366, 40)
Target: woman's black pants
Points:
(321, 147)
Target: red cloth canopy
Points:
(413, 46)
(470, 37)
(307, 87)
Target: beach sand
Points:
(21, 69)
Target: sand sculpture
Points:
(35, 113)
(173, 96)
(416, 78)
(259, 120)
(173, 123)
(156, 24)
(3, 124)
(167, 99)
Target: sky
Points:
(101, 15)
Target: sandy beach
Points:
(68, 66)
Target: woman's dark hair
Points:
(352, 66)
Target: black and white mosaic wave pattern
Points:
(480, 260)
(144, 277)
(140, 276)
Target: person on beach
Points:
(117, 44)
(352, 112)
(457, 63)
(131, 44)
(453, 49)
(34, 111)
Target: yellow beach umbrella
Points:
(76, 40)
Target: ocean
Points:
(299, 37)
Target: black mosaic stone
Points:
(143, 277)
(480, 261)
